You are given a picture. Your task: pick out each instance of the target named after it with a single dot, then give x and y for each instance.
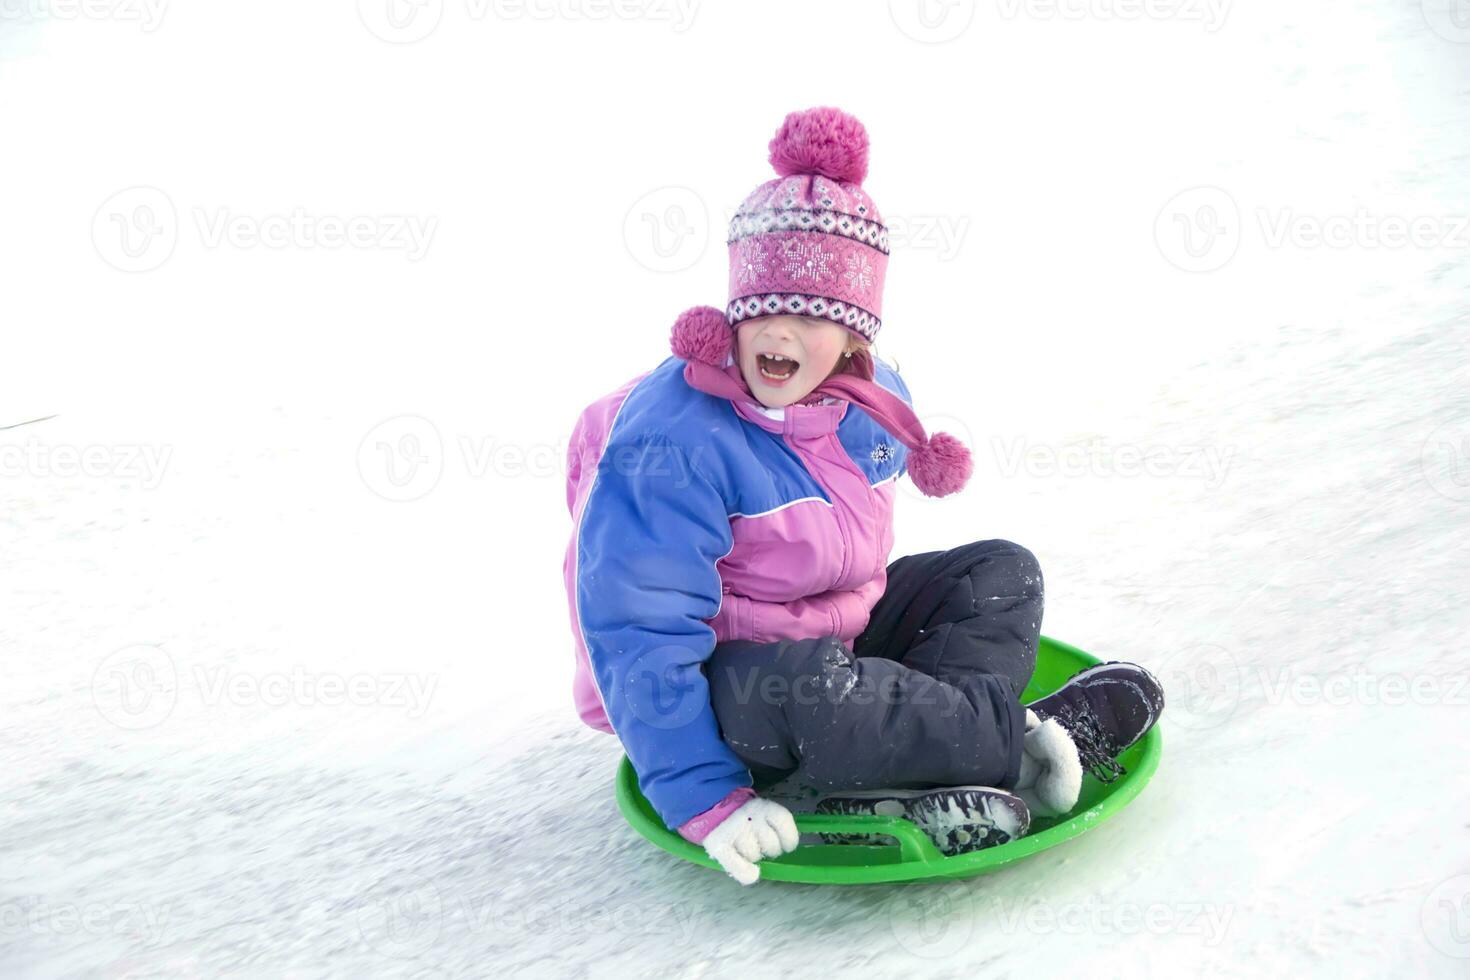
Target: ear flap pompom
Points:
(941, 466)
(701, 334)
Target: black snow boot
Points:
(1104, 709)
(958, 819)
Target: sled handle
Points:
(913, 843)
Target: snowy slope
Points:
(270, 707)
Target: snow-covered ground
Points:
(284, 657)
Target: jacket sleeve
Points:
(651, 531)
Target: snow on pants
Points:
(929, 694)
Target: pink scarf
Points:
(939, 465)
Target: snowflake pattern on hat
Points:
(859, 272)
(751, 260)
(806, 260)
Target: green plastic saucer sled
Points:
(913, 857)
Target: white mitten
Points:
(757, 829)
(1051, 772)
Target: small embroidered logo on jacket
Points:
(881, 453)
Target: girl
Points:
(734, 617)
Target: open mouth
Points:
(776, 368)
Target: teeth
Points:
(761, 360)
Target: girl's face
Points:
(784, 357)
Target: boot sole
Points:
(958, 819)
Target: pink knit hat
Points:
(811, 243)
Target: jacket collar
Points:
(939, 464)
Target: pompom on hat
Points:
(812, 243)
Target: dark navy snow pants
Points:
(929, 694)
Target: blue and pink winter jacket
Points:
(697, 520)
